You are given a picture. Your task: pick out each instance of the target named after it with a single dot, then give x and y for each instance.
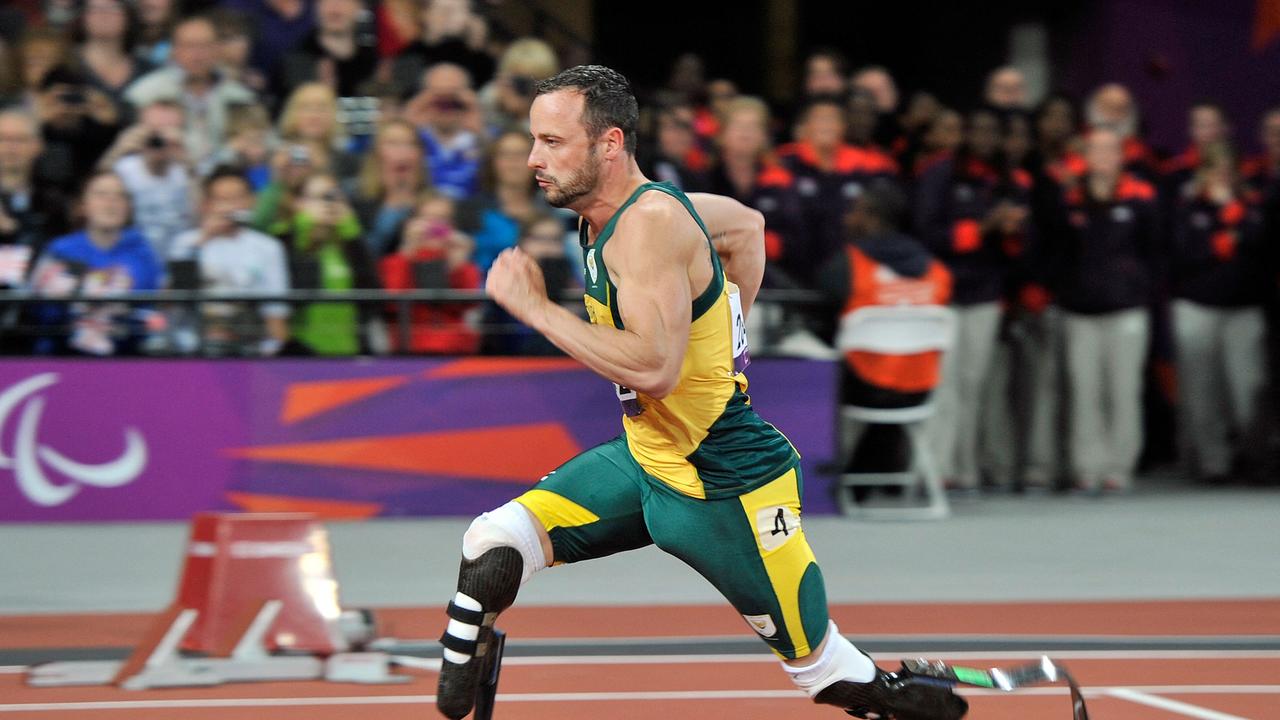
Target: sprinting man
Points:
(697, 472)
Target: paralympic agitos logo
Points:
(29, 459)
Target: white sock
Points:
(507, 526)
(840, 660)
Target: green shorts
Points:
(751, 547)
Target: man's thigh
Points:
(591, 505)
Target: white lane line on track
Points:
(1143, 691)
(1174, 706)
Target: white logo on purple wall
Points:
(29, 456)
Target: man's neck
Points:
(612, 193)
(104, 238)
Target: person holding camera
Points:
(450, 33)
(447, 116)
(322, 241)
(507, 99)
(393, 175)
(151, 159)
(230, 257)
(78, 124)
(433, 254)
(341, 52)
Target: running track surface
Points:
(1121, 684)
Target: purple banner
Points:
(88, 440)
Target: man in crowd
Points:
(31, 212)
(447, 115)
(1007, 89)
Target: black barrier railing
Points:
(797, 306)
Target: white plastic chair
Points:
(894, 330)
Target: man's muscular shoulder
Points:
(656, 225)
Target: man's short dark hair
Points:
(224, 172)
(608, 100)
(885, 201)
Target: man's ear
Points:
(614, 143)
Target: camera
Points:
(449, 103)
(155, 141)
(332, 196)
(72, 97)
(299, 154)
(523, 85)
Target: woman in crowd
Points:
(510, 198)
(107, 256)
(322, 240)
(310, 117)
(1221, 277)
(393, 175)
(505, 101)
(433, 254)
(105, 36)
(156, 18)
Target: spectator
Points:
(452, 34)
(877, 81)
(107, 257)
(31, 212)
(943, 139)
(77, 122)
(235, 50)
(310, 118)
(398, 25)
(433, 254)
(248, 144)
(151, 161)
(748, 172)
(394, 175)
(543, 240)
(1261, 171)
(1112, 106)
(40, 51)
(507, 99)
(322, 240)
(880, 265)
(105, 36)
(828, 174)
(922, 110)
(1007, 89)
(277, 204)
(339, 52)
(1221, 280)
(861, 118)
(193, 81)
(510, 199)
(156, 23)
(281, 25)
(1056, 156)
(824, 73)
(1105, 265)
(447, 115)
(675, 156)
(1206, 125)
(231, 258)
(969, 211)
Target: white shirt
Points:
(244, 263)
(161, 204)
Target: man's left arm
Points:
(737, 232)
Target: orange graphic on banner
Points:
(323, 509)
(478, 367)
(307, 399)
(516, 453)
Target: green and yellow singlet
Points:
(704, 439)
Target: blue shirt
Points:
(453, 169)
(277, 35)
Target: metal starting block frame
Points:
(157, 663)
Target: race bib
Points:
(738, 328)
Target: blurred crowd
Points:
(251, 147)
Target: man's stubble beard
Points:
(581, 183)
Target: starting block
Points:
(257, 602)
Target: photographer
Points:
(230, 257)
(77, 122)
(507, 99)
(152, 161)
(447, 115)
(341, 52)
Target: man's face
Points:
(984, 134)
(743, 134)
(1007, 89)
(106, 203)
(947, 131)
(227, 197)
(1206, 126)
(565, 159)
(1057, 122)
(1104, 153)
(822, 77)
(1113, 107)
(195, 48)
(675, 132)
(824, 127)
(19, 145)
(337, 16)
(447, 88)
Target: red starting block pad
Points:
(252, 585)
(236, 562)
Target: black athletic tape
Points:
(458, 645)
(461, 614)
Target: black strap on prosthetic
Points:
(461, 614)
(457, 644)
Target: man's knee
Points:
(509, 526)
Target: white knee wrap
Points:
(840, 660)
(508, 526)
